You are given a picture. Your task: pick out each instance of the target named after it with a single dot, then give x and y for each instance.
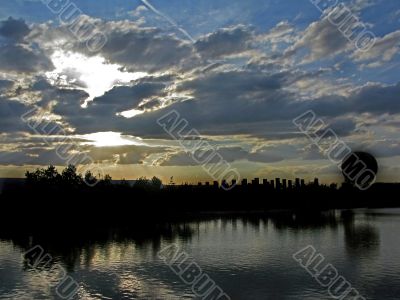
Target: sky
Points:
(238, 72)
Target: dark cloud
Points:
(229, 154)
(37, 153)
(18, 55)
(5, 84)
(68, 100)
(383, 50)
(31, 157)
(21, 59)
(383, 148)
(128, 97)
(123, 155)
(10, 116)
(232, 102)
(136, 48)
(225, 42)
(13, 29)
(321, 39)
(260, 99)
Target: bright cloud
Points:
(93, 74)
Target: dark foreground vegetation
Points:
(47, 195)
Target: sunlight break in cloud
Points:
(93, 74)
(110, 139)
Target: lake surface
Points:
(248, 258)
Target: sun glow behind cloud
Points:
(92, 74)
(110, 139)
(130, 113)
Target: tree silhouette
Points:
(70, 177)
(156, 182)
(90, 178)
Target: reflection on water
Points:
(248, 257)
(361, 239)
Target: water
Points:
(249, 258)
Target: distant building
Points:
(297, 183)
(272, 184)
(303, 184)
(234, 182)
(207, 183)
(277, 183)
(199, 184)
(265, 182)
(255, 181)
(284, 184)
(316, 182)
(290, 184)
(215, 184)
(244, 182)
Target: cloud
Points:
(321, 40)
(37, 152)
(282, 34)
(123, 98)
(101, 113)
(15, 30)
(20, 59)
(123, 155)
(225, 42)
(230, 97)
(358, 5)
(5, 84)
(383, 147)
(137, 48)
(228, 103)
(383, 50)
(10, 115)
(31, 157)
(16, 54)
(229, 154)
(219, 99)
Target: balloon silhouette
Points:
(360, 169)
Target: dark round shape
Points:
(360, 169)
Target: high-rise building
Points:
(278, 183)
(303, 184)
(244, 182)
(234, 182)
(265, 182)
(316, 182)
(255, 181)
(224, 183)
(272, 184)
(290, 184)
(284, 184)
(297, 183)
(215, 184)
